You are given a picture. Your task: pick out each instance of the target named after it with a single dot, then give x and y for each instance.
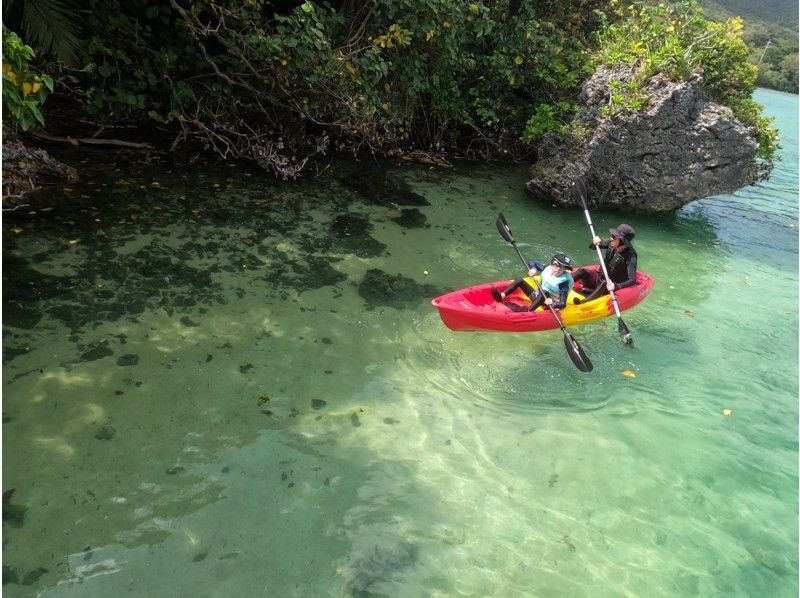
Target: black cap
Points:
(624, 232)
(562, 260)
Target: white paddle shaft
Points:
(602, 261)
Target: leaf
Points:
(727, 412)
(628, 374)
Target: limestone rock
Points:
(682, 147)
(26, 169)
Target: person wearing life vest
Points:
(621, 262)
(556, 283)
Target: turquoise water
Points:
(216, 385)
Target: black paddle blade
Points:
(505, 232)
(624, 333)
(579, 191)
(576, 353)
(503, 228)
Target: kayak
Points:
(474, 308)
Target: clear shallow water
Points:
(219, 386)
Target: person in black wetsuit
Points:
(621, 262)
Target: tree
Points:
(24, 89)
(50, 25)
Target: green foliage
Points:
(676, 40)
(392, 76)
(24, 89)
(246, 79)
(783, 12)
(49, 25)
(468, 68)
(134, 68)
(549, 117)
(771, 34)
(751, 113)
(626, 97)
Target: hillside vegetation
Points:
(771, 33)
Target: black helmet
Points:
(562, 260)
(624, 232)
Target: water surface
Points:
(218, 385)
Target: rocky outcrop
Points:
(682, 147)
(26, 169)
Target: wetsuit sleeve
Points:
(563, 291)
(632, 265)
(536, 265)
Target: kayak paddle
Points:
(579, 193)
(574, 350)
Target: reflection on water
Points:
(219, 385)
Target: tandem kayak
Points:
(474, 308)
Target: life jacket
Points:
(617, 263)
(551, 282)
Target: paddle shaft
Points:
(538, 289)
(580, 189)
(574, 350)
(600, 256)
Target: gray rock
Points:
(105, 433)
(27, 169)
(127, 360)
(680, 148)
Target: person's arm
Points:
(534, 268)
(598, 242)
(561, 302)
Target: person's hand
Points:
(610, 286)
(548, 301)
(596, 240)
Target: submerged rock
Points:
(33, 576)
(105, 433)
(351, 233)
(411, 218)
(13, 515)
(386, 562)
(381, 288)
(10, 575)
(376, 186)
(96, 351)
(128, 360)
(680, 148)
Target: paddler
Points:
(556, 283)
(621, 262)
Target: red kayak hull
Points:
(474, 308)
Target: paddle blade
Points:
(576, 354)
(579, 192)
(504, 229)
(624, 333)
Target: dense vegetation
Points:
(770, 31)
(677, 41)
(281, 82)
